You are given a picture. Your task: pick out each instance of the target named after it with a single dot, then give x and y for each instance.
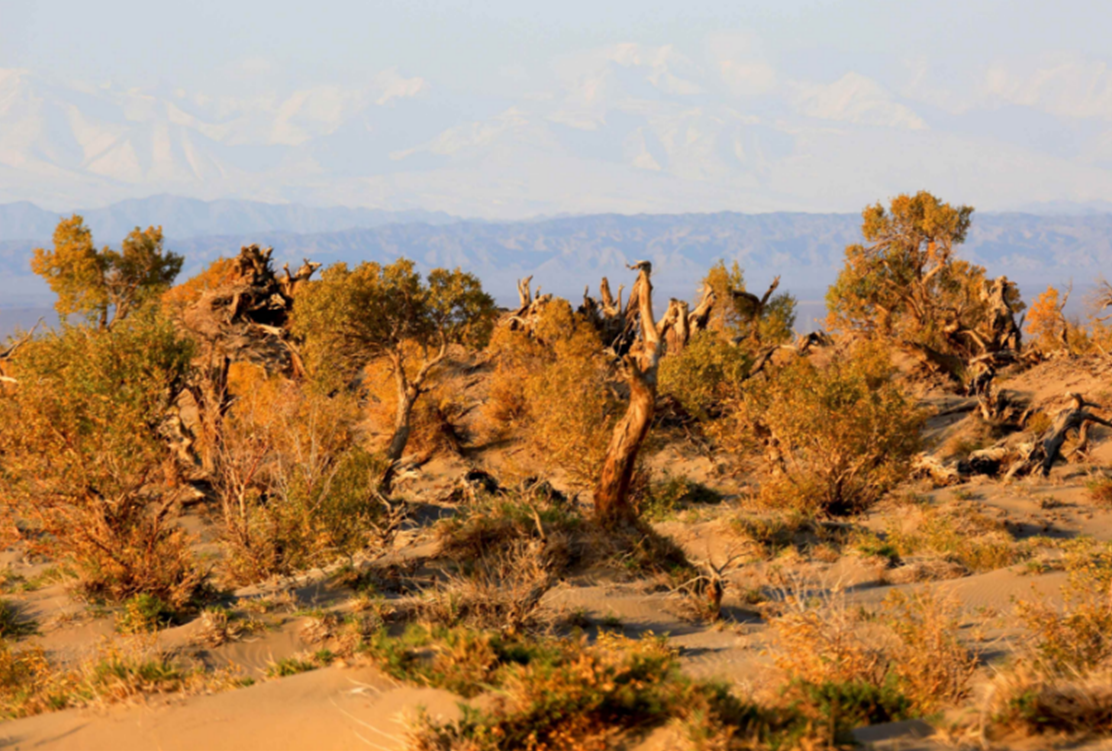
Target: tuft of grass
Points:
(144, 613)
(219, 625)
(1099, 490)
(30, 684)
(288, 666)
(13, 624)
(663, 500)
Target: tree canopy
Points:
(104, 286)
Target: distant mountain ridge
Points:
(563, 254)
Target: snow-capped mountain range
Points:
(627, 128)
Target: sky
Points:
(1020, 86)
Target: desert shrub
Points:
(908, 652)
(297, 489)
(1077, 637)
(705, 375)
(13, 623)
(219, 625)
(772, 532)
(1029, 702)
(30, 684)
(853, 704)
(85, 462)
(218, 274)
(553, 388)
(838, 437)
(570, 694)
(496, 521)
(501, 591)
(931, 666)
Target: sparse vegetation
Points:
(268, 415)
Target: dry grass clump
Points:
(143, 614)
(500, 591)
(664, 499)
(1028, 702)
(772, 532)
(296, 487)
(13, 623)
(497, 520)
(906, 657)
(959, 534)
(1078, 636)
(219, 626)
(30, 684)
(1099, 490)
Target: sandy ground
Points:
(344, 707)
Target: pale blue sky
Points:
(493, 47)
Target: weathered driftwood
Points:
(612, 504)
(1047, 448)
(244, 320)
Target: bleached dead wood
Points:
(1046, 450)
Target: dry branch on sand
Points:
(1048, 446)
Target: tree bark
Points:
(612, 505)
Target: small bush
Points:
(554, 386)
(296, 488)
(959, 534)
(837, 437)
(288, 666)
(909, 654)
(930, 665)
(1028, 703)
(219, 625)
(30, 684)
(144, 613)
(568, 694)
(708, 373)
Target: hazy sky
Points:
(500, 47)
(516, 108)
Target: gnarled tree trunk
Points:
(612, 504)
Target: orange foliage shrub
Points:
(220, 273)
(553, 389)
